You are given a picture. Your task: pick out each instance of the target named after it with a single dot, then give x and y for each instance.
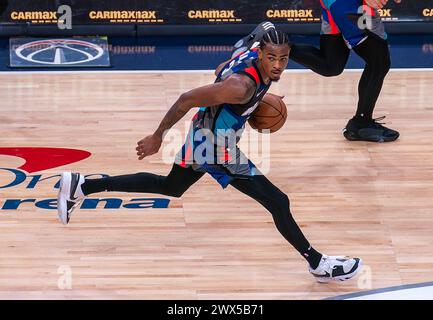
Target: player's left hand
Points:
(148, 146)
(376, 4)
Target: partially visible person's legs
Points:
(375, 52)
(324, 268)
(364, 32)
(368, 40)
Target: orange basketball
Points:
(271, 114)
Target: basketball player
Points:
(346, 25)
(225, 107)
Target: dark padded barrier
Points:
(170, 30)
(189, 17)
(9, 30)
(306, 29)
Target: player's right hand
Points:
(148, 146)
(376, 4)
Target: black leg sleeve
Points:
(175, 184)
(327, 61)
(375, 52)
(277, 203)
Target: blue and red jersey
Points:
(352, 18)
(206, 147)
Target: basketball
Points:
(271, 114)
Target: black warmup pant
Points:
(180, 179)
(332, 57)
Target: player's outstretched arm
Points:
(237, 89)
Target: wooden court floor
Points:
(350, 198)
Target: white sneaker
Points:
(70, 195)
(336, 268)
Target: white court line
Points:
(419, 291)
(14, 72)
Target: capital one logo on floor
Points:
(29, 177)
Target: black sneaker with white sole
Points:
(373, 131)
(336, 268)
(253, 39)
(70, 195)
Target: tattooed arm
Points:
(237, 89)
